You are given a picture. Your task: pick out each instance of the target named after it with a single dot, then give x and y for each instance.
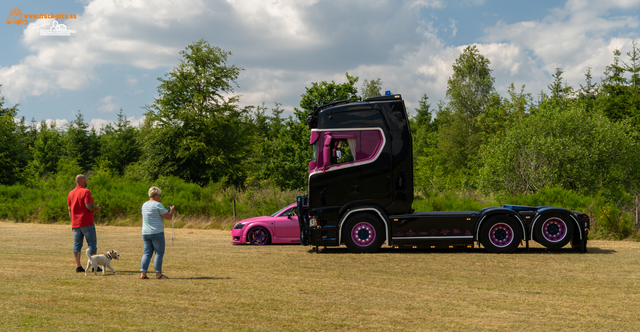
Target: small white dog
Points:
(101, 260)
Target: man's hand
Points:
(94, 208)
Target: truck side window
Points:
(341, 152)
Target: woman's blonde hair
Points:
(154, 191)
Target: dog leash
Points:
(173, 231)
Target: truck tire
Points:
(363, 233)
(553, 231)
(501, 234)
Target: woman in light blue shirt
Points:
(153, 215)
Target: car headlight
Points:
(238, 226)
(313, 222)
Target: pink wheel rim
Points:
(501, 235)
(363, 234)
(554, 229)
(258, 236)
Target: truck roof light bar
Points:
(396, 96)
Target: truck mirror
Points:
(326, 151)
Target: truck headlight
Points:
(313, 222)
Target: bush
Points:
(121, 200)
(572, 149)
(212, 206)
(453, 200)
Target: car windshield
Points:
(279, 211)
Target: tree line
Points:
(584, 139)
(581, 139)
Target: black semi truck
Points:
(361, 191)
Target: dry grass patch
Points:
(219, 286)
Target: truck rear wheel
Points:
(501, 234)
(363, 233)
(553, 231)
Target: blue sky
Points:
(121, 47)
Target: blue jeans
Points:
(152, 242)
(89, 232)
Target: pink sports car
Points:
(280, 227)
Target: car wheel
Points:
(501, 234)
(363, 233)
(553, 231)
(258, 236)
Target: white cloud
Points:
(127, 32)
(574, 38)
(60, 123)
(270, 85)
(98, 124)
(429, 3)
(108, 104)
(309, 35)
(452, 25)
(131, 81)
(136, 122)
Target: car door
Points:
(286, 224)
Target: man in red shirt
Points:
(81, 210)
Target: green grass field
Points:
(218, 286)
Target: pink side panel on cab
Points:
(368, 144)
